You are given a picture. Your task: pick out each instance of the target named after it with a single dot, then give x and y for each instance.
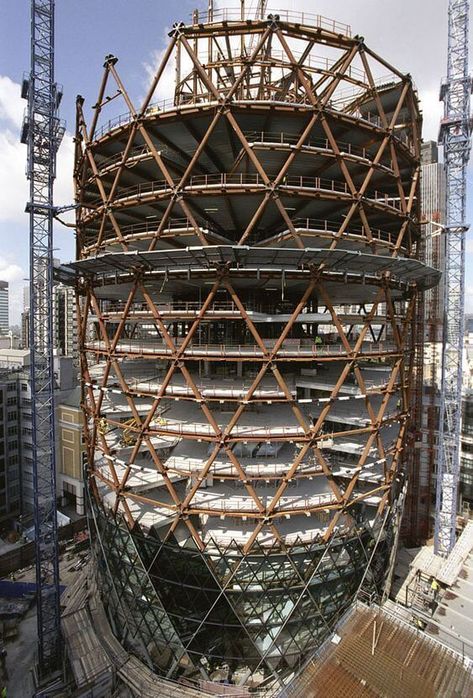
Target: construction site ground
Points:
(21, 651)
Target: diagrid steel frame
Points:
(455, 134)
(247, 280)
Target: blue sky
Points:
(409, 33)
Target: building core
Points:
(248, 274)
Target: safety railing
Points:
(238, 431)
(326, 226)
(226, 180)
(224, 471)
(283, 138)
(236, 14)
(294, 347)
(142, 310)
(166, 105)
(133, 153)
(143, 231)
(270, 137)
(312, 61)
(228, 503)
(183, 226)
(109, 307)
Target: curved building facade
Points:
(248, 278)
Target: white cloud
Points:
(63, 187)
(15, 275)
(15, 301)
(13, 184)
(432, 110)
(9, 271)
(14, 190)
(165, 88)
(469, 298)
(12, 106)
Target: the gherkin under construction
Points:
(248, 283)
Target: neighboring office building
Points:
(4, 316)
(422, 478)
(64, 322)
(25, 328)
(433, 209)
(17, 363)
(10, 440)
(466, 456)
(70, 482)
(9, 341)
(25, 319)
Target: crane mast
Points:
(455, 130)
(42, 132)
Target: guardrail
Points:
(169, 105)
(289, 348)
(236, 14)
(145, 231)
(226, 180)
(252, 136)
(230, 504)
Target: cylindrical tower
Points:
(247, 283)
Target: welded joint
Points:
(110, 60)
(176, 30)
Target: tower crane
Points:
(42, 132)
(455, 136)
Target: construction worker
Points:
(103, 425)
(435, 586)
(418, 622)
